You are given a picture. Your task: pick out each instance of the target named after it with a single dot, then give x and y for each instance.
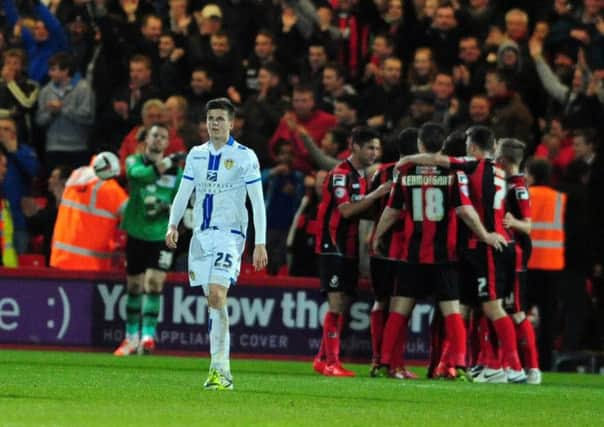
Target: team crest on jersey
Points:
(229, 163)
(334, 281)
(192, 275)
(340, 192)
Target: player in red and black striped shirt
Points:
(484, 269)
(510, 153)
(430, 198)
(383, 264)
(344, 199)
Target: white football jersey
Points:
(220, 178)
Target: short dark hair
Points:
(590, 135)
(271, 67)
(541, 171)
(337, 67)
(221, 104)
(481, 136)
(361, 135)
(352, 101)
(148, 17)
(432, 136)
(143, 135)
(62, 60)
(500, 75)
(201, 69)
(266, 33)
(407, 141)
(512, 150)
(455, 144)
(144, 59)
(279, 144)
(10, 120)
(168, 34)
(304, 88)
(221, 34)
(340, 137)
(387, 38)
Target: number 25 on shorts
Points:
(223, 260)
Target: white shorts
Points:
(215, 258)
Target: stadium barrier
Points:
(275, 317)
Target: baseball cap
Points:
(211, 11)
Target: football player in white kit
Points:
(221, 171)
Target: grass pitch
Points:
(87, 389)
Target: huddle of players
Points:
(420, 249)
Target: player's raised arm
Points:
(428, 159)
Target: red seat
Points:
(32, 260)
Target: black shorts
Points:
(485, 274)
(424, 280)
(383, 276)
(338, 273)
(515, 298)
(142, 255)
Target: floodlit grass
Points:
(88, 389)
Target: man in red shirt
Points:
(344, 199)
(316, 123)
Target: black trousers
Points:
(543, 288)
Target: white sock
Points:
(220, 340)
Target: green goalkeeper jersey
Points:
(148, 210)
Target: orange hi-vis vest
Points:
(548, 208)
(89, 214)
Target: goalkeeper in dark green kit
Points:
(152, 183)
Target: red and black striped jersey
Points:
(391, 240)
(428, 197)
(339, 235)
(487, 184)
(518, 203)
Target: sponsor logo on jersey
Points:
(339, 180)
(522, 193)
(229, 163)
(340, 192)
(212, 176)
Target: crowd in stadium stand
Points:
(83, 76)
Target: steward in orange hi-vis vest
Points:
(548, 208)
(88, 216)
